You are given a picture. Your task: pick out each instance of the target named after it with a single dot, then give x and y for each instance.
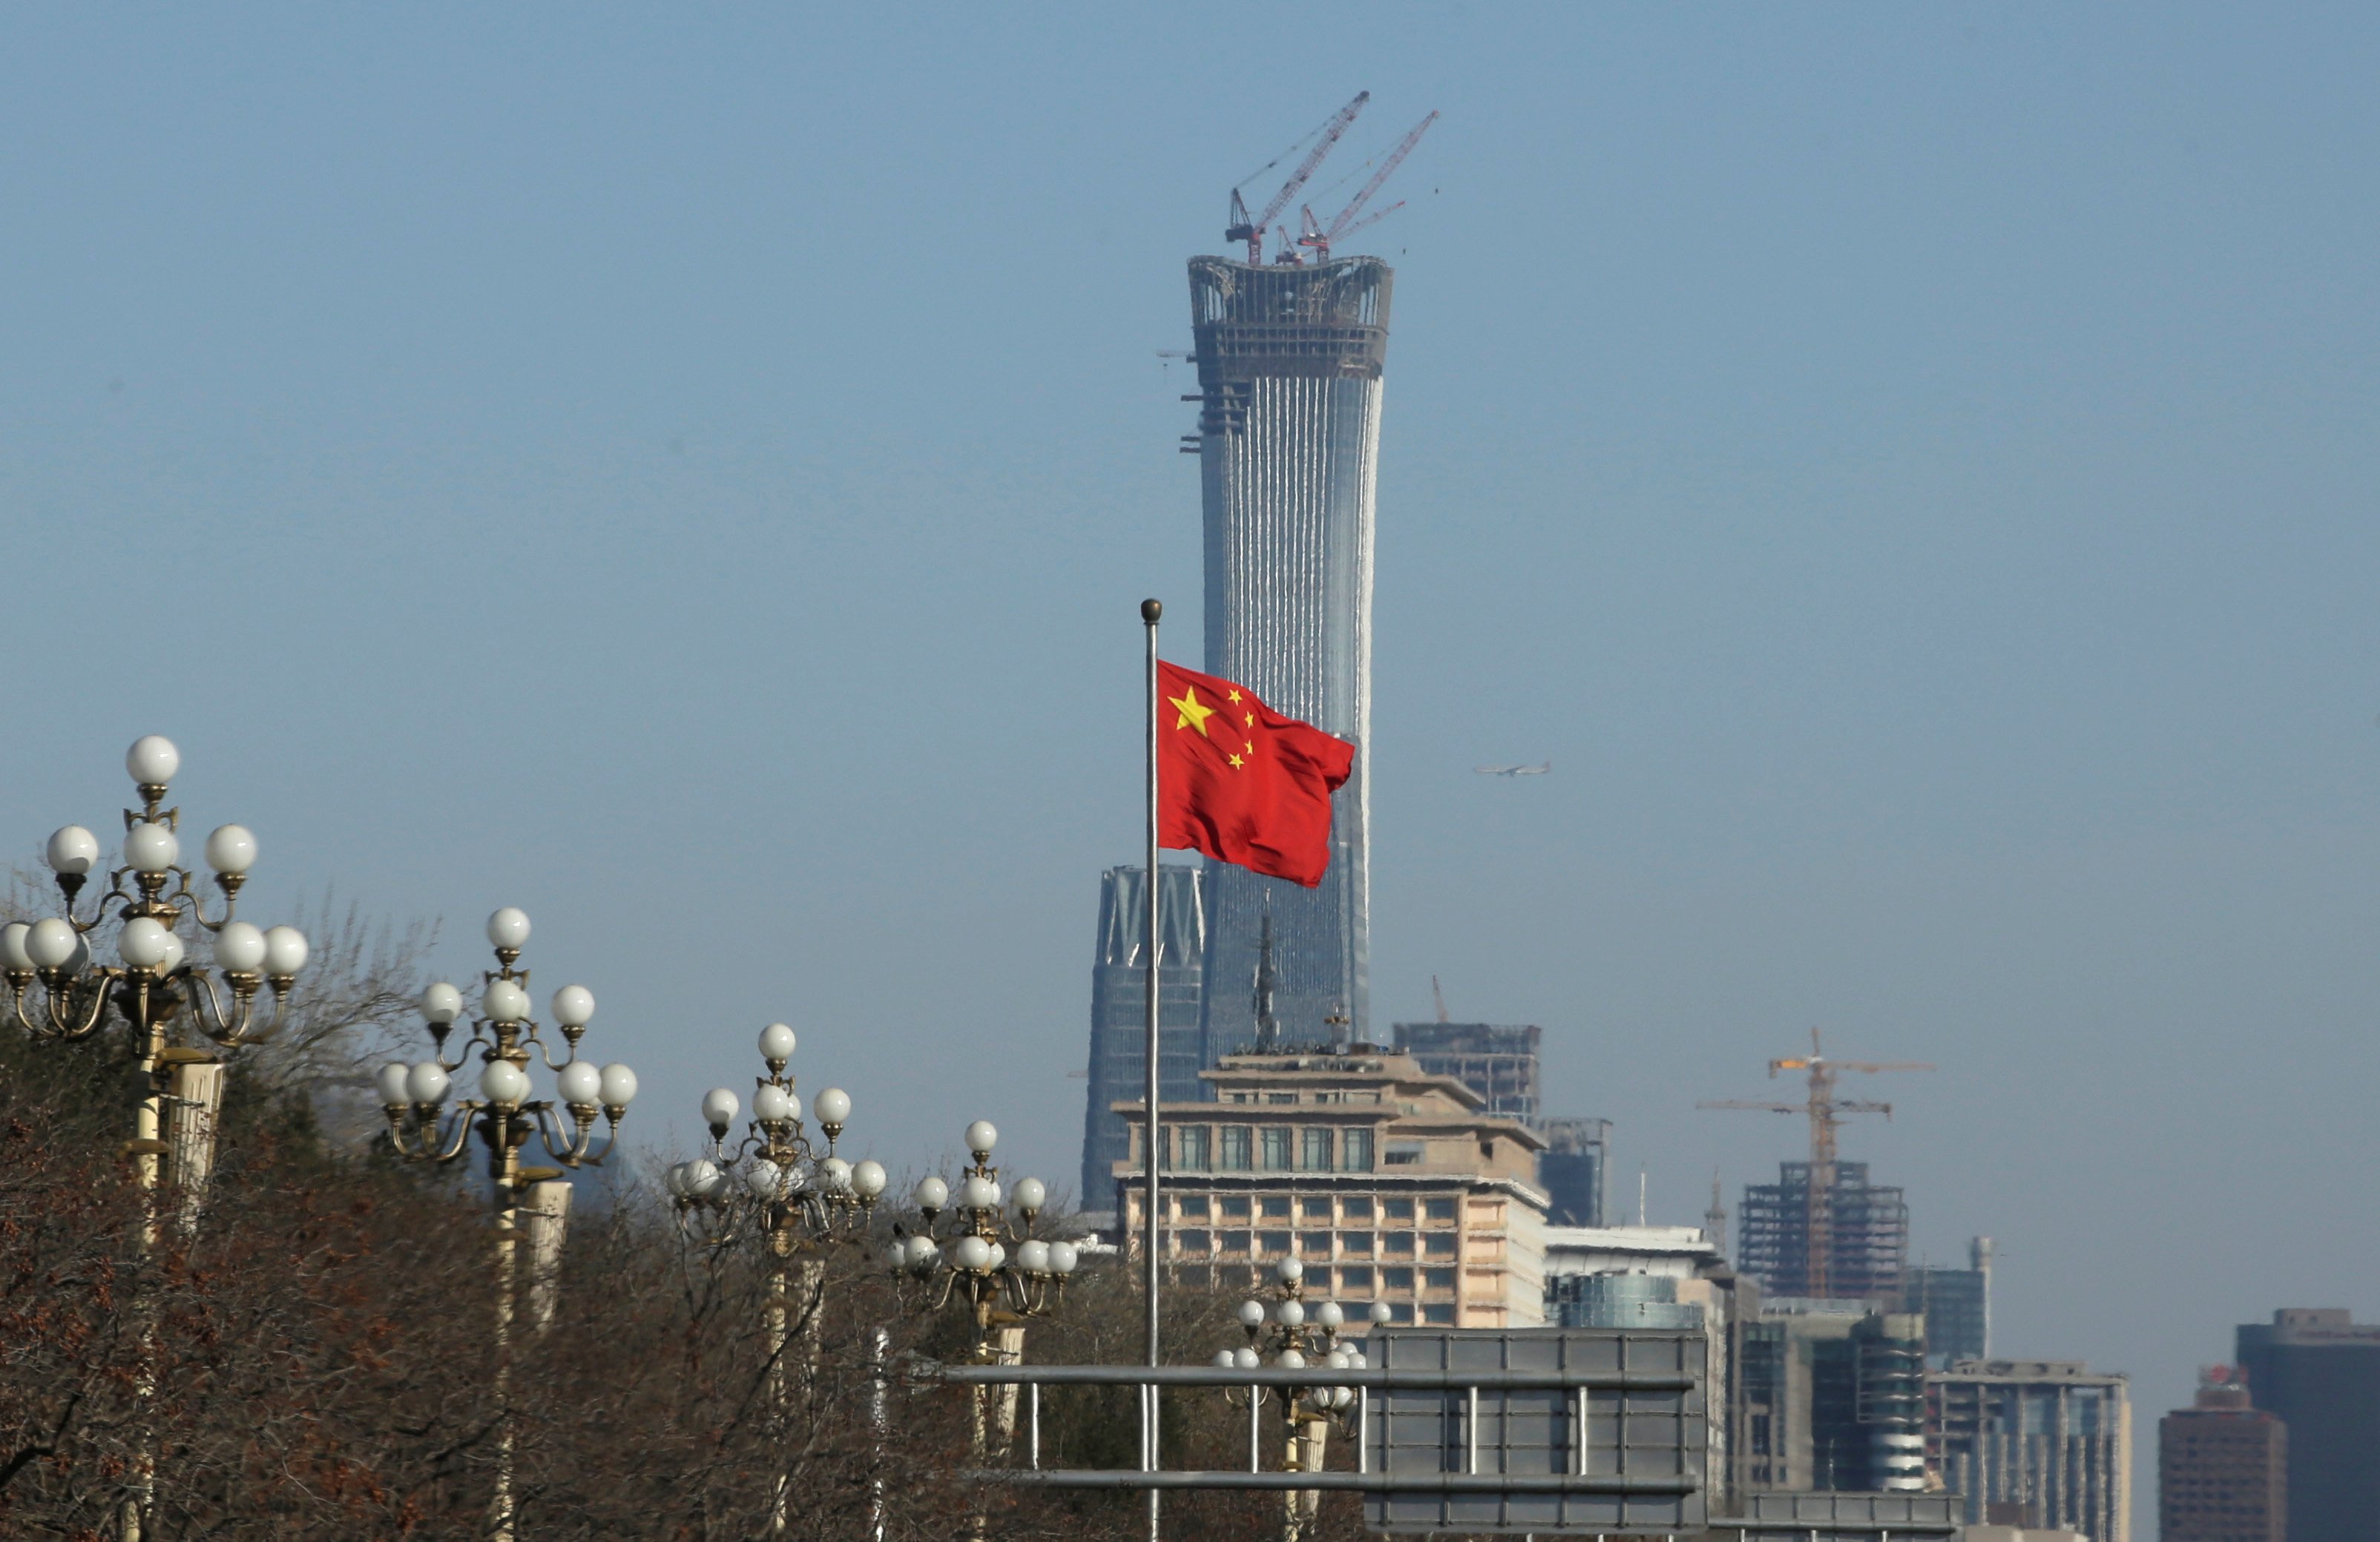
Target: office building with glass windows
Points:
(1119, 1060)
(1387, 1183)
(2319, 1370)
(1500, 1063)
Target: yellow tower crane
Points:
(1826, 1112)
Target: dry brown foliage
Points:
(324, 1347)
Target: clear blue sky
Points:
(689, 473)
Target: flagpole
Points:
(1152, 1142)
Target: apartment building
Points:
(1389, 1182)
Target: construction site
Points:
(1291, 351)
(1822, 1231)
(1847, 1394)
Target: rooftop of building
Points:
(1677, 1252)
(1631, 1239)
(1424, 1128)
(1468, 1038)
(2222, 1389)
(2072, 1371)
(1307, 1080)
(1572, 1134)
(1815, 1306)
(2312, 1325)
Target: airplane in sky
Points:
(1515, 771)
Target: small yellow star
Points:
(1195, 713)
(1248, 718)
(1250, 747)
(1236, 762)
(1235, 695)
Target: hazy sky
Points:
(690, 474)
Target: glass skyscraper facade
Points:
(1290, 361)
(1119, 1011)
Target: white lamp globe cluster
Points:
(1299, 1337)
(986, 1255)
(509, 1040)
(773, 1178)
(149, 896)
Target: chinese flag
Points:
(1241, 783)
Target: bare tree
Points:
(313, 1360)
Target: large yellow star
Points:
(1195, 712)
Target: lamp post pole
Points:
(1293, 1336)
(1001, 1290)
(177, 1087)
(505, 1118)
(796, 1199)
(1153, 1129)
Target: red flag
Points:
(1240, 782)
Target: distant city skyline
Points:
(1909, 470)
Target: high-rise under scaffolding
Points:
(1866, 1246)
(1821, 1231)
(1289, 358)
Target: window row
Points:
(1235, 1277)
(1265, 1147)
(1327, 1095)
(1351, 1210)
(1314, 1249)
(1318, 1245)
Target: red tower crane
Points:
(1319, 237)
(1252, 231)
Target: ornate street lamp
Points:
(773, 1178)
(1289, 1334)
(506, 1117)
(970, 1261)
(149, 987)
(155, 979)
(970, 1258)
(774, 1184)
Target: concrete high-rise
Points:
(1120, 1009)
(2319, 1369)
(1290, 359)
(2222, 1468)
(1831, 1397)
(2035, 1443)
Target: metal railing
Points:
(1365, 1380)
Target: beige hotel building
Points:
(1389, 1182)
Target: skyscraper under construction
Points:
(1856, 1252)
(1289, 358)
(1822, 1230)
(1290, 355)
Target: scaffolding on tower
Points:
(1823, 1230)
